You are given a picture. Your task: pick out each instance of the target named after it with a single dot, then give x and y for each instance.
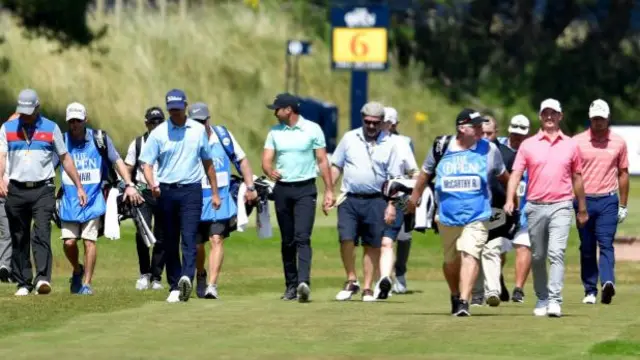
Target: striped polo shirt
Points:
(30, 149)
(601, 160)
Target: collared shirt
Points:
(178, 150)
(601, 161)
(551, 165)
(404, 148)
(365, 166)
(295, 149)
(30, 158)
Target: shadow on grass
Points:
(616, 347)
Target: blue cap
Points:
(176, 99)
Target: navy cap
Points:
(154, 114)
(285, 100)
(176, 99)
(469, 116)
(199, 111)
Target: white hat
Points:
(390, 115)
(519, 125)
(76, 111)
(599, 108)
(552, 104)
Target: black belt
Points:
(31, 184)
(365, 196)
(296, 183)
(177, 185)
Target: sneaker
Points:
(367, 295)
(463, 309)
(554, 310)
(76, 281)
(156, 285)
(86, 290)
(589, 299)
(351, 287)
(608, 292)
(174, 296)
(201, 284)
(475, 301)
(493, 300)
(400, 285)
(289, 294)
(455, 300)
(5, 274)
(43, 287)
(504, 293)
(541, 308)
(211, 292)
(184, 284)
(383, 287)
(303, 292)
(23, 291)
(143, 282)
(517, 295)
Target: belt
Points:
(177, 185)
(365, 196)
(31, 184)
(546, 202)
(610, 193)
(296, 183)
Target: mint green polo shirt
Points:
(295, 149)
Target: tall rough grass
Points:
(229, 56)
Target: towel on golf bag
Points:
(111, 223)
(399, 190)
(264, 188)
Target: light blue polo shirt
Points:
(179, 152)
(295, 149)
(365, 166)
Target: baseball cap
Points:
(469, 116)
(154, 114)
(27, 102)
(176, 100)
(199, 111)
(552, 104)
(519, 124)
(284, 100)
(373, 108)
(599, 108)
(390, 115)
(77, 111)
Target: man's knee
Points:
(69, 243)
(387, 243)
(216, 241)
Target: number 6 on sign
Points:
(358, 46)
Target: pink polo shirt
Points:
(550, 166)
(601, 160)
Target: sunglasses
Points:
(75, 121)
(520, 127)
(372, 123)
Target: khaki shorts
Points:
(470, 238)
(86, 231)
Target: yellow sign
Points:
(360, 48)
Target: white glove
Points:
(622, 214)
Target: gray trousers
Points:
(488, 280)
(549, 226)
(5, 237)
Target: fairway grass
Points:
(250, 322)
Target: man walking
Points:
(553, 162)
(298, 147)
(83, 223)
(464, 202)
(366, 157)
(150, 267)
(28, 145)
(605, 169)
(217, 225)
(179, 146)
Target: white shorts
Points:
(521, 238)
(86, 231)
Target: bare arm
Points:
(124, 171)
(578, 189)
(421, 184)
(512, 185)
(623, 183)
(148, 174)
(247, 172)
(70, 168)
(267, 161)
(325, 171)
(3, 161)
(210, 170)
(335, 175)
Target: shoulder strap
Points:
(138, 150)
(440, 145)
(227, 144)
(100, 141)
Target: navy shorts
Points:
(392, 231)
(210, 228)
(361, 220)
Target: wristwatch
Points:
(251, 188)
(130, 185)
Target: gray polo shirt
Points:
(30, 150)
